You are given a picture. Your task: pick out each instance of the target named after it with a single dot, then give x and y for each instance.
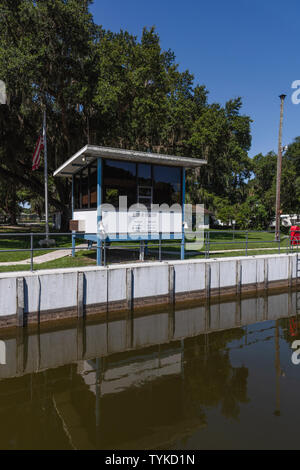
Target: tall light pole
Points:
(279, 160)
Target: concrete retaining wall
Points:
(61, 293)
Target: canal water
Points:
(217, 376)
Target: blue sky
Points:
(247, 48)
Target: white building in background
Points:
(287, 220)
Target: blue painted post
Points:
(99, 216)
(73, 233)
(183, 203)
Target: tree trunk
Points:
(65, 217)
(11, 206)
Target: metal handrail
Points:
(151, 244)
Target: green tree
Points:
(45, 53)
(108, 89)
(222, 137)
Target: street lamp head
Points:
(282, 97)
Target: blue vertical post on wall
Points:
(73, 233)
(99, 215)
(183, 203)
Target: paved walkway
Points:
(282, 249)
(215, 252)
(51, 256)
(57, 254)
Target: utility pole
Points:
(278, 181)
(46, 174)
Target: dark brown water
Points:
(207, 377)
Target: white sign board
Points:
(143, 222)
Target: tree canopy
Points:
(115, 89)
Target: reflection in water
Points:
(211, 376)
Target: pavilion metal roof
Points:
(91, 152)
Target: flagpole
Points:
(46, 174)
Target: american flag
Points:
(36, 159)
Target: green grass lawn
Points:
(227, 241)
(82, 258)
(220, 240)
